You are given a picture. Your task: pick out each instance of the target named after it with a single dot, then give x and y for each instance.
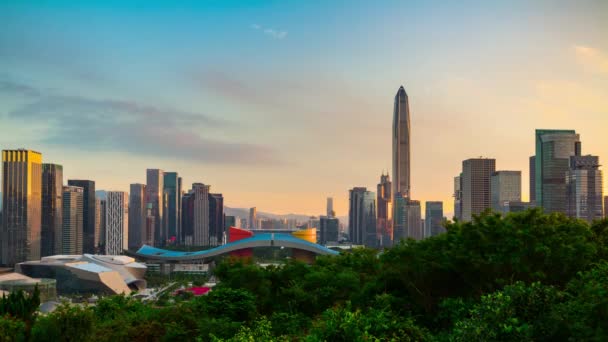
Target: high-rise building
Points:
(605, 206)
(69, 240)
(384, 211)
(187, 218)
(553, 151)
(180, 194)
(155, 194)
(330, 207)
(88, 218)
(21, 206)
(584, 188)
(253, 218)
(117, 222)
(408, 220)
(362, 217)
(458, 197)
(401, 144)
(52, 204)
(532, 179)
(216, 219)
(137, 215)
(229, 221)
(505, 187)
(433, 219)
(100, 224)
(329, 229)
(476, 175)
(147, 236)
(200, 228)
(173, 191)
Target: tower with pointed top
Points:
(401, 145)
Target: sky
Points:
(280, 104)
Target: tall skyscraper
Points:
(117, 222)
(433, 219)
(553, 151)
(458, 197)
(253, 218)
(384, 221)
(155, 192)
(532, 179)
(505, 187)
(52, 204)
(330, 207)
(362, 217)
(188, 218)
(137, 215)
(200, 228)
(605, 206)
(476, 175)
(584, 188)
(408, 220)
(172, 189)
(216, 219)
(88, 218)
(21, 206)
(69, 240)
(401, 144)
(329, 229)
(100, 224)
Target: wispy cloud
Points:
(592, 58)
(127, 126)
(274, 33)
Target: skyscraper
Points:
(584, 188)
(69, 240)
(329, 229)
(408, 220)
(88, 218)
(21, 206)
(172, 188)
(117, 222)
(476, 175)
(216, 219)
(505, 187)
(253, 218)
(458, 197)
(229, 221)
(200, 229)
(401, 144)
(532, 179)
(155, 190)
(553, 151)
(362, 217)
(187, 218)
(100, 224)
(384, 221)
(433, 219)
(137, 215)
(52, 204)
(605, 206)
(330, 207)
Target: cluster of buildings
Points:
(42, 216)
(562, 180)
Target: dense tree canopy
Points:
(523, 277)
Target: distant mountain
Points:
(244, 213)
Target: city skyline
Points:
(468, 99)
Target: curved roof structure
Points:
(258, 240)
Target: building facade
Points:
(330, 207)
(584, 188)
(216, 220)
(52, 206)
(70, 239)
(329, 230)
(155, 192)
(173, 195)
(401, 144)
(458, 197)
(20, 233)
(200, 228)
(408, 219)
(362, 217)
(433, 219)
(117, 222)
(384, 211)
(505, 187)
(137, 215)
(100, 224)
(88, 186)
(553, 151)
(253, 218)
(532, 179)
(476, 174)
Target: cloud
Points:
(126, 126)
(276, 34)
(592, 58)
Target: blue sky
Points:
(279, 104)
